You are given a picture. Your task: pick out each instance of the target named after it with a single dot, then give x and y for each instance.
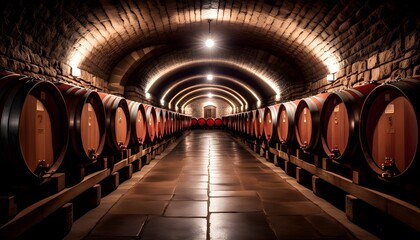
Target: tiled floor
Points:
(208, 187)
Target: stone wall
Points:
(196, 107)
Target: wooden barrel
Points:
(86, 124)
(270, 122)
(160, 124)
(176, 123)
(169, 122)
(34, 130)
(138, 123)
(340, 123)
(286, 123)
(201, 122)
(307, 123)
(252, 123)
(389, 130)
(225, 120)
(187, 122)
(259, 123)
(118, 127)
(194, 122)
(242, 122)
(151, 123)
(210, 122)
(230, 122)
(218, 122)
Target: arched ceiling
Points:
(264, 47)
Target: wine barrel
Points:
(194, 122)
(307, 123)
(138, 123)
(201, 122)
(248, 121)
(187, 122)
(151, 123)
(34, 130)
(176, 123)
(86, 124)
(389, 130)
(259, 123)
(169, 122)
(270, 122)
(218, 122)
(118, 127)
(340, 123)
(230, 122)
(286, 123)
(242, 123)
(160, 124)
(252, 123)
(210, 122)
(225, 121)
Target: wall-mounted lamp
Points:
(331, 77)
(75, 71)
(148, 95)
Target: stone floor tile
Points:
(174, 229)
(187, 209)
(241, 226)
(119, 225)
(235, 204)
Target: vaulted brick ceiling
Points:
(268, 46)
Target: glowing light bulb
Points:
(209, 77)
(209, 43)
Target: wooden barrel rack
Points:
(36, 199)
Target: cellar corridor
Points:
(207, 185)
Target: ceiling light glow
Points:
(209, 43)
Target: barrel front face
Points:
(253, 122)
(201, 122)
(307, 128)
(336, 127)
(117, 121)
(90, 130)
(283, 125)
(304, 127)
(389, 134)
(210, 122)
(137, 122)
(39, 140)
(286, 122)
(169, 121)
(270, 123)
(35, 133)
(86, 124)
(259, 123)
(159, 123)
(151, 123)
(193, 122)
(121, 126)
(218, 122)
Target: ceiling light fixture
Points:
(209, 77)
(209, 41)
(210, 95)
